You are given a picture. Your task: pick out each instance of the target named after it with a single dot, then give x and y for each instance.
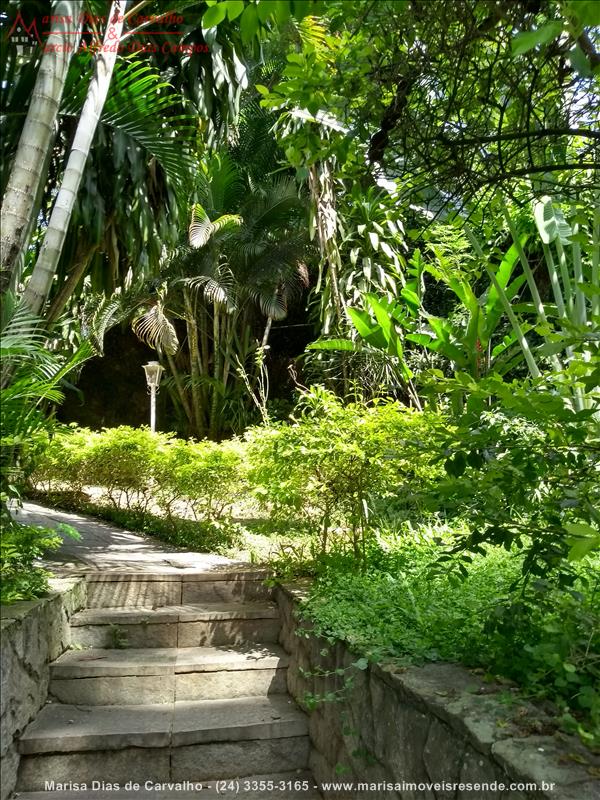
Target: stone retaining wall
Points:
(34, 633)
(439, 723)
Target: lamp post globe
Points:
(154, 373)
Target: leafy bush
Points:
(61, 461)
(121, 460)
(143, 472)
(336, 464)
(525, 472)
(20, 546)
(139, 469)
(205, 474)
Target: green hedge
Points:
(141, 471)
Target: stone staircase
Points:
(174, 680)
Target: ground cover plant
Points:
(398, 610)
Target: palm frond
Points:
(31, 377)
(219, 288)
(313, 33)
(276, 209)
(21, 335)
(100, 315)
(224, 185)
(156, 330)
(202, 229)
(274, 306)
(145, 108)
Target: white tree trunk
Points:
(29, 167)
(39, 285)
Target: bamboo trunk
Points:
(180, 391)
(214, 407)
(38, 288)
(31, 161)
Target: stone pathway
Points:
(174, 680)
(105, 546)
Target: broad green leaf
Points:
(551, 348)
(450, 351)
(580, 62)
(264, 10)
(249, 24)
(551, 222)
(300, 9)
(587, 539)
(214, 15)
(583, 547)
(335, 344)
(234, 8)
(374, 240)
(507, 341)
(361, 321)
(387, 249)
(282, 10)
(504, 273)
(381, 314)
(412, 298)
(527, 40)
(441, 327)
(580, 529)
(586, 11)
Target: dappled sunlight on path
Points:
(104, 545)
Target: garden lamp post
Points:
(153, 372)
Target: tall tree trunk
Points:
(38, 288)
(323, 194)
(192, 332)
(214, 406)
(265, 337)
(30, 166)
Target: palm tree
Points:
(30, 379)
(244, 260)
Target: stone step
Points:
(164, 675)
(196, 741)
(192, 625)
(109, 589)
(297, 785)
